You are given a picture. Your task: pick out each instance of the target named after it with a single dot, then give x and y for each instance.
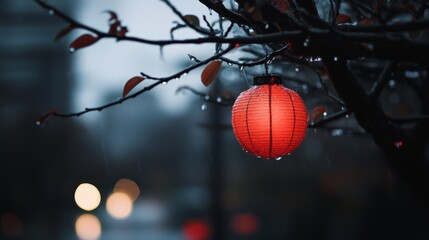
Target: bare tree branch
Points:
(218, 100)
(329, 118)
(145, 89)
(414, 50)
(190, 25)
(381, 81)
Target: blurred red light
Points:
(196, 230)
(245, 224)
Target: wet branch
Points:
(329, 118)
(145, 89)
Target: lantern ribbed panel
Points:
(269, 120)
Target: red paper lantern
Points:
(269, 120)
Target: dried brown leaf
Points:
(342, 18)
(210, 72)
(84, 40)
(317, 113)
(131, 84)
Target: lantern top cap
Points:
(267, 80)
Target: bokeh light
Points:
(245, 224)
(128, 187)
(87, 196)
(88, 227)
(196, 230)
(11, 225)
(119, 205)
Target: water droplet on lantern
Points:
(219, 99)
(399, 144)
(207, 97)
(164, 83)
(296, 69)
(51, 12)
(337, 132)
(72, 50)
(391, 83)
(229, 64)
(279, 158)
(203, 107)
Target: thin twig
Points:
(190, 25)
(264, 60)
(208, 25)
(329, 118)
(147, 88)
(218, 100)
(381, 81)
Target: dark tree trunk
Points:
(403, 148)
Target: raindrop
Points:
(296, 69)
(306, 42)
(218, 99)
(325, 114)
(347, 116)
(258, 156)
(391, 83)
(164, 83)
(305, 88)
(337, 132)
(207, 97)
(335, 59)
(241, 67)
(203, 107)
(72, 50)
(267, 26)
(210, 11)
(229, 64)
(176, 79)
(184, 74)
(38, 123)
(289, 154)
(279, 158)
(51, 12)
